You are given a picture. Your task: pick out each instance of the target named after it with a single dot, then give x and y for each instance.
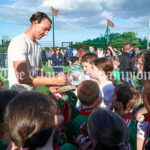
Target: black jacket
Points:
(126, 62)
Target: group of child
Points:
(103, 113)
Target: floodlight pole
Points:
(53, 31)
(148, 36)
(107, 33)
(3, 61)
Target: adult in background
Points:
(69, 52)
(137, 51)
(44, 59)
(57, 61)
(100, 53)
(126, 63)
(66, 62)
(24, 57)
(108, 52)
(91, 49)
(81, 52)
(113, 51)
(74, 52)
(65, 53)
(49, 55)
(133, 53)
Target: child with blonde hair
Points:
(117, 73)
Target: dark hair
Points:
(110, 45)
(111, 54)
(108, 130)
(5, 98)
(104, 64)
(91, 46)
(30, 119)
(89, 57)
(127, 46)
(74, 59)
(39, 16)
(129, 96)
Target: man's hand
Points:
(61, 78)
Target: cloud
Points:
(139, 24)
(128, 8)
(81, 15)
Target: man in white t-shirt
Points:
(24, 57)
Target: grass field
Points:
(42, 89)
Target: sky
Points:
(78, 20)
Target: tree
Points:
(117, 40)
(80, 45)
(144, 43)
(120, 39)
(5, 43)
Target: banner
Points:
(54, 11)
(110, 23)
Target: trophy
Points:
(75, 76)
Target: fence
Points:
(3, 50)
(3, 56)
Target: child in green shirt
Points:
(124, 100)
(107, 131)
(118, 74)
(88, 94)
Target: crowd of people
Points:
(63, 57)
(108, 110)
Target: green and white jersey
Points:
(143, 127)
(67, 146)
(119, 75)
(137, 81)
(79, 124)
(66, 105)
(132, 127)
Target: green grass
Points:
(41, 89)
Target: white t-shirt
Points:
(143, 129)
(106, 92)
(100, 54)
(21, 48)
(74, 52)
